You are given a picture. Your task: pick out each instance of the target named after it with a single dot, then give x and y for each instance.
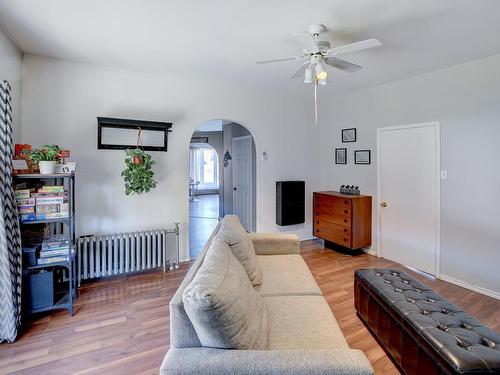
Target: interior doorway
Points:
(408, 195)
(222, 174)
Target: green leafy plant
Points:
(138, 174)
(46, 153)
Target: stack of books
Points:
(25, 204)
(55, 249)
(49, 202)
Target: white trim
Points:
(251, 175)
(306, 238)
(370, 251)
(437, 129)
(243, 137)
(436, 125)
(474, 288)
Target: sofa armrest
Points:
(208, 361)
(275, 243)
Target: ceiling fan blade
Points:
(346, 66)
(280, 59)
(300, 70)
(364, 44)
(307, 42)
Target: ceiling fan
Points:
(318, 54)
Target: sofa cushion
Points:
(233, 233)
(224, 308)
(182, 333)
(302, 322)
(286, 275)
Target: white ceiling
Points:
(221, 39)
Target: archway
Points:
(222, 174)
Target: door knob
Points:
(383, 204)
(235, 188)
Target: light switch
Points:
(444, 174)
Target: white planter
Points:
(47, 167)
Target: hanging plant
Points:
(138, 174)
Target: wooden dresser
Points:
(343, 219)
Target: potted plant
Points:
(138, 174)
(46, 157)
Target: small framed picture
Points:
(362, 157)
(199, 139)
(341, 156)
(348, 135)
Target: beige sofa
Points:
(303, 336)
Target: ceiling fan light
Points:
(323, 82)
(321, 73)
(308, 75)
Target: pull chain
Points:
(315, 102)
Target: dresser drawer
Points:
(331, 201)
(343, 220)
(339, 230)
(332, 232)
(335, 211)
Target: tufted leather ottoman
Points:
(422, 332)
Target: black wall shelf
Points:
(119, 123)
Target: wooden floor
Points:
(203, 218)
(121, 326)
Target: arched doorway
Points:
(222, 174)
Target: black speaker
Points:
(290, 202)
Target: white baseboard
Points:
(307, 238)
(475, 288)
(370, 251)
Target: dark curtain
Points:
(10, 239)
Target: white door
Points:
(408, 195)
(242, 180)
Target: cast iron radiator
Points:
(121, 253)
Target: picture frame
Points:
(349, 135)
(199, 140)
(362, 157)
(341, 156)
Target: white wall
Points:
(61, 101)
(466, 101)
(11, 61)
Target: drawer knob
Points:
(345, 239)
(317, 221)
(345, 211)
(345, 220)
(346, 202)
(317, 230)
(345, 230)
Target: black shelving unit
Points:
(66, 281)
